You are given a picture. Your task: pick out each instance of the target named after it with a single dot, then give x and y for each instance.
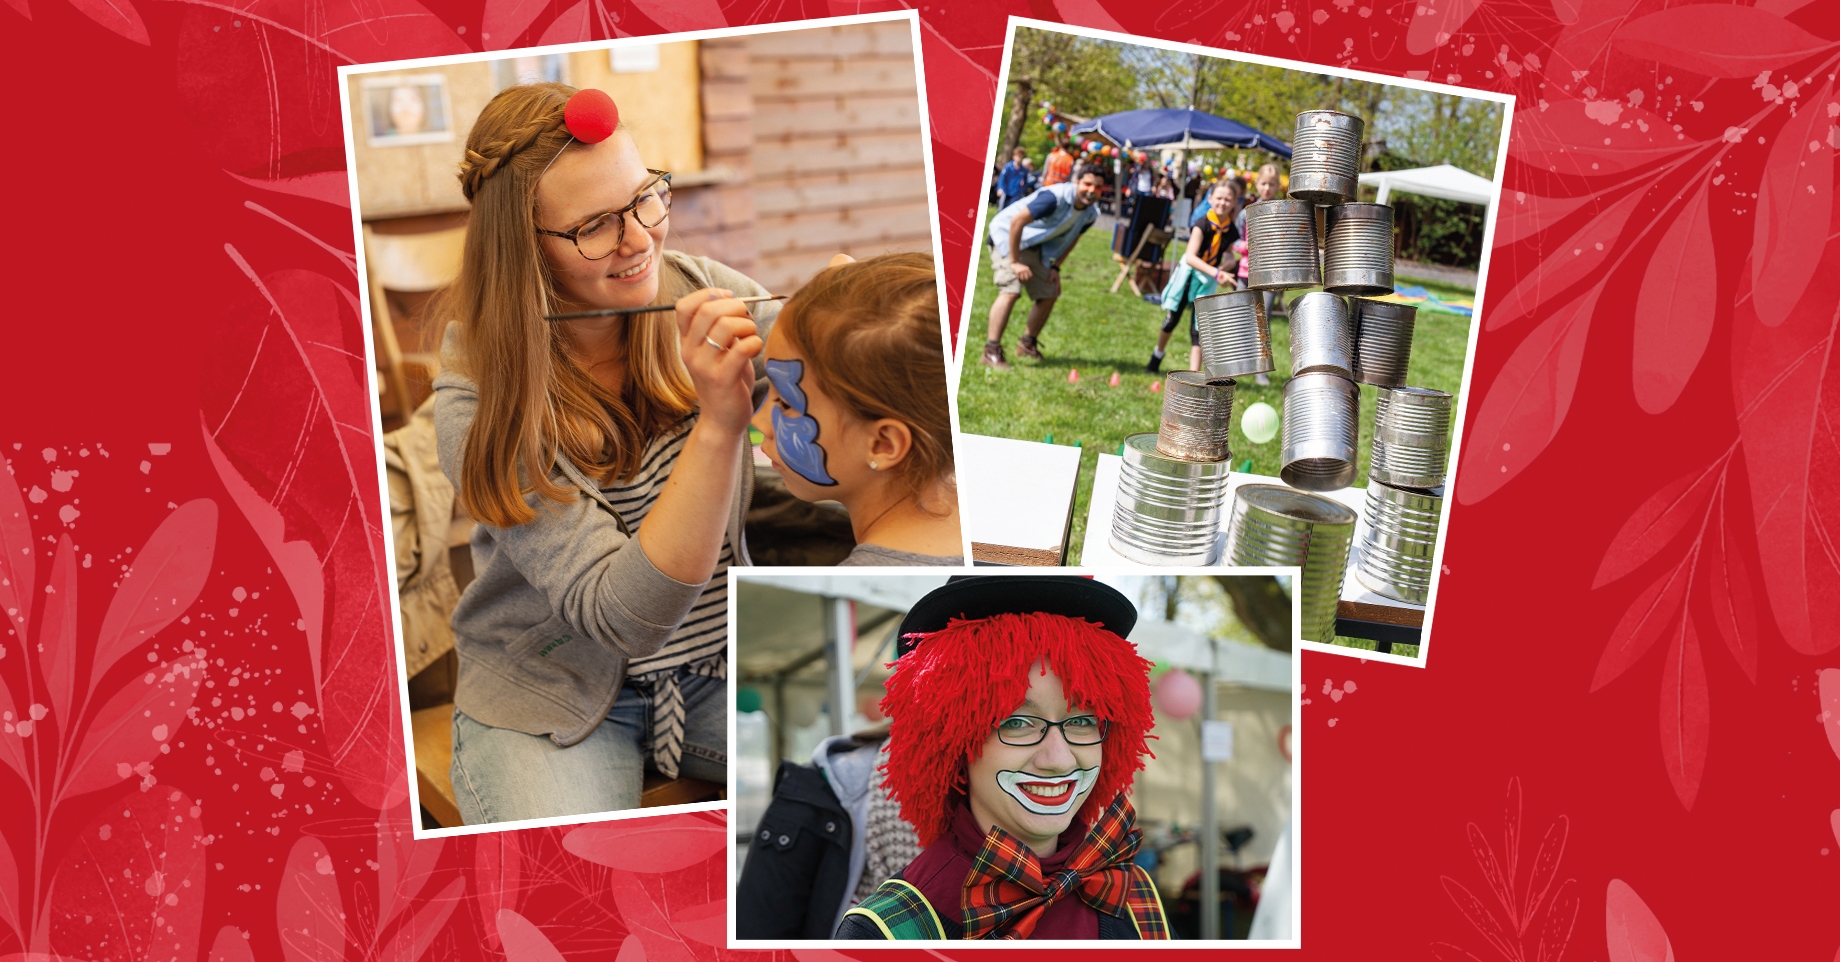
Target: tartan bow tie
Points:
(1006, 894)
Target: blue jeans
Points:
(502, 775)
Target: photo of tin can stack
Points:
(1272, 525)
(1405, 492)
(1235, 334)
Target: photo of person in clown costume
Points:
(1018, 720)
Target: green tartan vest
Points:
(901, 912)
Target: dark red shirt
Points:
(941, 871)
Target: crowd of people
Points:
(1042, 215)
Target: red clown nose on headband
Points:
(591, 116)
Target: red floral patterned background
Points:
(1625, 749)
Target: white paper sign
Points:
(1216, 741)
(637, 59)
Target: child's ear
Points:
(889, 442)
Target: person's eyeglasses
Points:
(1025, 730)
(605, 233)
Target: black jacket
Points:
(798, 861)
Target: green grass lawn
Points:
(1099, 333)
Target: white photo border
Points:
(736, 575)
(1482, 273)
(370, 359)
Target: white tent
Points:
(1442, 181)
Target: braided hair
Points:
(535, 400)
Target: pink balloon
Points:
(1178, 693)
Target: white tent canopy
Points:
(1443, 181)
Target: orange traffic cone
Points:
(1073, 375)
(1114, 381)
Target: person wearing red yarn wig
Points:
(1019, 715)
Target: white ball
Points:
(1259, 423)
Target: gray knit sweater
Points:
(561, 603)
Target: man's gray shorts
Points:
(1042, 284)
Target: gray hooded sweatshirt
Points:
(561, 603)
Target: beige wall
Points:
(838, 150)
(662, 109)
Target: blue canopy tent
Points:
(1156, 129)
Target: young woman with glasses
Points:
(606, 459)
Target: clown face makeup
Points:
(1048, 796)
(1034, 791)
(795, 436)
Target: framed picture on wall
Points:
(540, 68)
(407, 109)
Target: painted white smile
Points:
(636, 268)
(1048, 795)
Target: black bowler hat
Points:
(980, 596)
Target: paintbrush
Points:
(614, 311)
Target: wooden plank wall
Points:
(838, 162)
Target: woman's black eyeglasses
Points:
(605, 233)
(1025, 730)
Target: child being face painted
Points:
(856, 411)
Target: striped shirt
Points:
(699, 646)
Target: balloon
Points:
(1060, 128)
(1178, 694)
(1259, 423)
(1208, 171)
(747, 699)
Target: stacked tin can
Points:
(1175, 481)
(1405, 492)
(1274, 525)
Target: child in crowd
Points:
(856, 412)
(1205, 266)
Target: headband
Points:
(591, 117)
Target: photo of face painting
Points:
(919, 757)
(408, 110)
(1229, 306)
(646, 317)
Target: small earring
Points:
(872, 466)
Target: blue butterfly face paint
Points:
(796, 438)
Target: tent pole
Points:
(1210, 819)
(842, 637)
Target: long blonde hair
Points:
(535, 399)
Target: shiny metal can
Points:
(1282, 245)
(1235, 334)
(1326, 156)
(1272, 525)
(1358, 249)
(1400, 542)
(1321, 430)
(1197, 417)
(1411, 437)
(1168, 509)
(1322, 336)
(1382, 341)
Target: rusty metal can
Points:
(1322, 336)
(1326, 156)
(1382, 341)
(1321, 429)
(1197, 417)
(1235, 334)
(1282, 246)
(1358, 249)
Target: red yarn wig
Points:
(947, 695)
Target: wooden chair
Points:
(409, 264)
(434, 753)
(1154, 237)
